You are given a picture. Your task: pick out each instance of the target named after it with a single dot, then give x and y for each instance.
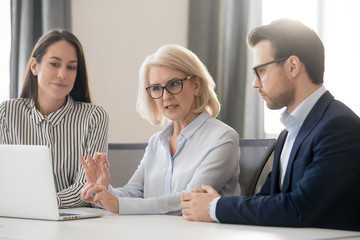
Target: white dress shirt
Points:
(293, 123)
(208, 153)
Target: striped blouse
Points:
(76, 128)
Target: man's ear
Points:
(294, 66)
(34, 66)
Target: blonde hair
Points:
(183, 60)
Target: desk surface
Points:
(154, 227)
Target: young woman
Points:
(54, 109)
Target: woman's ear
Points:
(34, 66)
(196, 85)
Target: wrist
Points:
(212, 209)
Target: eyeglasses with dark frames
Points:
(174, 86)
(255, 69)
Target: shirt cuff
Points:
(212, 209)
(58, 201)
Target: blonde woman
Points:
(194, 148)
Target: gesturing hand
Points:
(96, 169)
(99, 195)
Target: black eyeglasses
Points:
(174, 86)
(255, 69)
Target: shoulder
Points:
(14, 105)
(337, 108)
(339, 115)
(156, 137)
(16, 102)
(153, 145)
(328, 106)
(94, 111)
(159, 138)
(13, 109)
(220, 128)
(336, 125)
(211, 132)
(331, 113)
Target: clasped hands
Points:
(195, 203)
(97, 181)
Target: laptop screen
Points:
(27, 182)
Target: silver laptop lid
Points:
(27, 182)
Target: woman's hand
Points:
(96, 169)
(99, 195)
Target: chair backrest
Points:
(124, 158)
(254, 154)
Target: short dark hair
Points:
(80, 91)
(289, 37)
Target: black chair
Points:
(254, 155)
(124, 158)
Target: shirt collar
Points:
(300, 113)
(189, 130)
(55, 117)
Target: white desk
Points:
(157, 227)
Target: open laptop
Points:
(27, 188)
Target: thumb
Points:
(208, 188)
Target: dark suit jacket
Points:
(321, 187)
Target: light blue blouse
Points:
(208, 153)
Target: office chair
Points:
(124, 159)
(254, 154)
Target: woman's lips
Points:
(59, 85)
(170, 107)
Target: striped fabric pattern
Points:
(77, 128)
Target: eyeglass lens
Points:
(255, 69)
(174, 87)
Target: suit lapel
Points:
(310, 122)
(276, 166)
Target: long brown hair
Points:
(80, 91)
